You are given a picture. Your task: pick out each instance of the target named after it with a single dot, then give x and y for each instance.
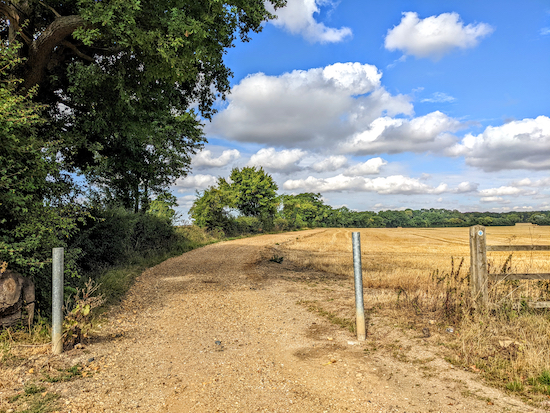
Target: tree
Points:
(254, 193)
(120, 78)
(163, 206)
(306, 209)
(209, 209)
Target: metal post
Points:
(358, 278)
(57, 301)
(478, 265)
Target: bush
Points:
(116, 236)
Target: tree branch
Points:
(11, 13)
(42, 47)
(77, 52)
(50, 8)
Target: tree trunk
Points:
(42, 47)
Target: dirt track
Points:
(220, 329)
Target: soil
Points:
(224, 329)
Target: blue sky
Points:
(391, 105)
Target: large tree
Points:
(121, 79)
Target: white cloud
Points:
(544, 182)
(195, 182)
(492, 199)
(523, 144)
(465, 187)
(439, 97)
(503, 190)
(307, 108)
(425, 133)
(186, 201)
(330, 164)
(370, 167)
(205, 159)
(396, 184)
(297, 17)
(282, 161)
(545, 31)
(434, 36)
(523, 208)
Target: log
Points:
(16, 292)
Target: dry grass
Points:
(422, 274)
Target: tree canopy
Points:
(126, 81)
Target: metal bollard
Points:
(358, 278)
(57, 300)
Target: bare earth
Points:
(220, 329)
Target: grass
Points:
(34, 399)
(418, 275)
(314, 307)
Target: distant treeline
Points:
(309, 210)
(248, 203)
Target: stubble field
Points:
(418, 279)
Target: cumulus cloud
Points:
(205, 159)
(283, 161)
(439, 97)
(431, 132)
(465, 187)
(186, 201)
(493, 199)
(503, 190)
(523, 144)
(198, 181)
(544, 182)
(297, 17)
(330, 164)
(434, 36)
(396, 184)
(370, 167)
(307, 108)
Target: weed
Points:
(34, 399)
(277, 259)
(314, 307)
(544, 377)
(78, 320)
(65, 374)
(515, 386)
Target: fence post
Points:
(358, 278)
(57, 300)
(478, 265)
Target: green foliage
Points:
(116, 236)
(251, 192)
(121, 78)
(254, 192)
(37, 202)
(210, 209)
(78, 317)
(163, 206)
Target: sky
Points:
(392, 104)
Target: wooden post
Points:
(478, 265)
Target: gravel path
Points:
(219, 329)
